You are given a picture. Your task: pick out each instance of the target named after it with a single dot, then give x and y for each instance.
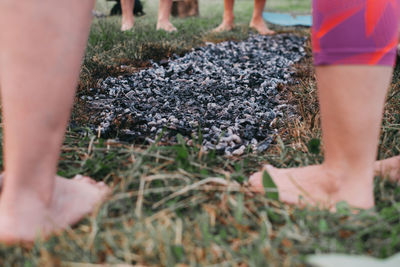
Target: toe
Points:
(77, 177)
(218, 29)
(102, 185)
(268, 33)
(255, 181)
(84, 179)
(268, 168)
(105, 190)
(99, 185)
(89, 180)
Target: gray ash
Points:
(227, 91)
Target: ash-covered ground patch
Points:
(226, 91)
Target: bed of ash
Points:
(226, 91)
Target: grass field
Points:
(303, 6)
(178, 206)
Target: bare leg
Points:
(257, 21)
(164, 10)
(352, 99)
(40, 57)
(228, 20)
(128, 20)
(389, 168)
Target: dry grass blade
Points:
(79, 264)
(166, 177)
(139, 202)
(217, 180)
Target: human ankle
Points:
(23, 205)
(162, 21)
(256, 20)
(343, 174)
(228, 19)
(15, 192)
(128, 21)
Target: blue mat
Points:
(286, 19)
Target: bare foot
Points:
(261, 27)
(388, 168)
(317, 186)
(127, 23)
(166, 26)
(28, 217)
(225, 26)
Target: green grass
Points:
(176, 204)
(295, 6)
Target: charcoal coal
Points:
(226, 91)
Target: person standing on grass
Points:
(354, 46)
(164, 11)
(257, 21)
(40, 57)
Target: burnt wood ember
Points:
(227, 91)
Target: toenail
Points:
(78, 177)
(253, 178)
(268, 167)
